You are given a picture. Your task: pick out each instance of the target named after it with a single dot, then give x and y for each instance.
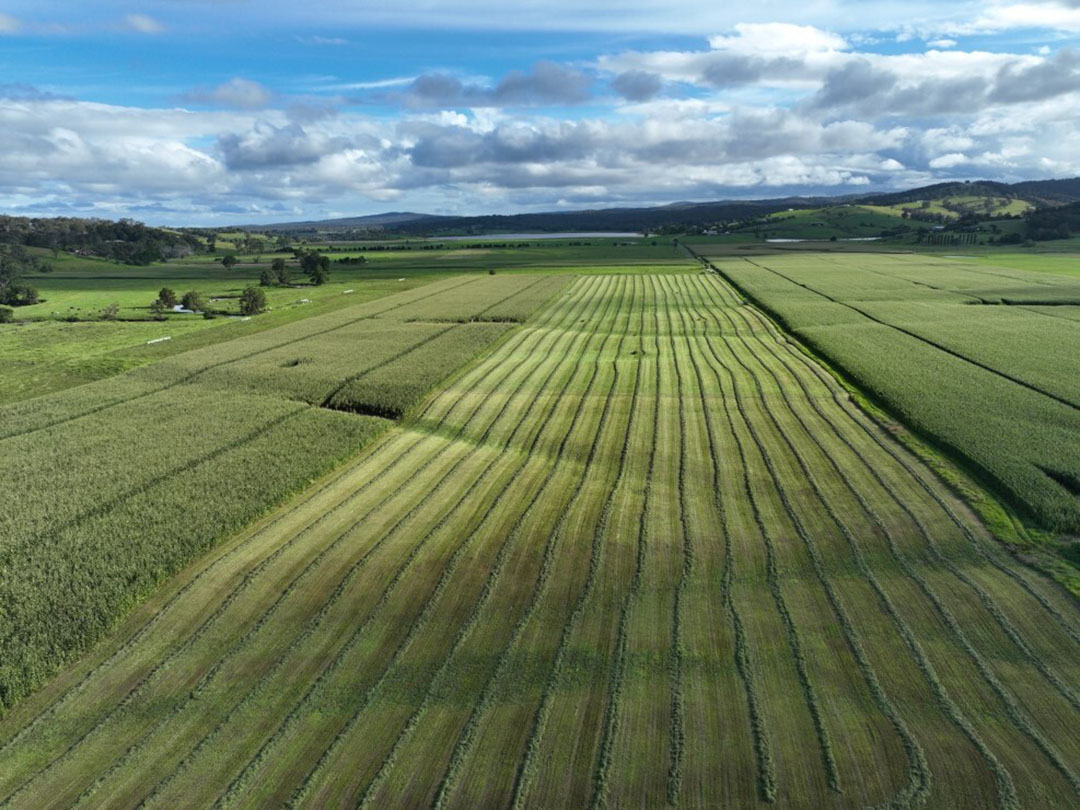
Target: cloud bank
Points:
(758, 108)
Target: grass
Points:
(642, 551)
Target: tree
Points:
(6, 314)
(14, 261)
(229, 262)
(252, 301)
(320, 275)
(110, 312)
(168, 298)
(18, 294)
(281, 271)
(157, 310)
(315, 266)
(194, 301)
(266, 278)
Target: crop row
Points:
(1021, 441)
(602, 778)
(524, 420)
(312, 693)
(1006, 788)
(937, 555)
(502, 664)
(554, 468)
(917, 789)
(766, 767)
(526, 771)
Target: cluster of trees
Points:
(277, 274)
(124, 241)
(1053, 223)
(245, 241)
(252, 302)
(15, 263)
(167, 299)
(314, 265)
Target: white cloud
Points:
(8, 24)
(782, 38)
(143, 24)
(942, 43)
(1052, 15)
(949, 161)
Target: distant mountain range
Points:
(1040, 193)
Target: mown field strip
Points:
(342, 740)
(1022, 722)
(643, 553)
(371, 796)
(918, 775)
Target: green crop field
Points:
(112, 486)
(643, 552)
(983, 360)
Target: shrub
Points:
(7, 314)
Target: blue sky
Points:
(237, 111)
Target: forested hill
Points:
(124, 240)
(1038, 194)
